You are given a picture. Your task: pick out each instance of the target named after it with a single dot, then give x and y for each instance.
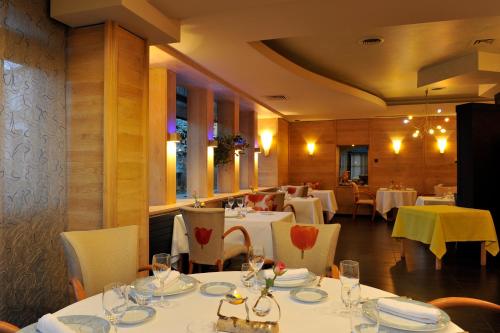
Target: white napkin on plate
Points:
(231, 212)
(290, 274)
(421, 313)
(172, 277)
(50, 324)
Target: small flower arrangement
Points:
(278, 269)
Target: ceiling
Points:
(309, 51)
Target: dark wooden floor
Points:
(371, 244)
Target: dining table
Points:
(257, 224)
(328, 201)
(194, 307)
(307, 210)
(434, 200)
(388, 199)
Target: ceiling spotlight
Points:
(415, 134)
(439, 110)
(410, 117)
(439, 127)
(406, 121)
(446, 119)
(443, 130)
(431, 131)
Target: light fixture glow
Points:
(415, 134)
(410, 117)
(396, 145)
(443, 130)
(439, 110)
(439, 127)
(446, 119)
(442, 143)
(311, 146)
(406, 121)
(267, 140)
(431, 131)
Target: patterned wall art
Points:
(33, 278)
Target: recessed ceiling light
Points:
(438, 88)
(370, 41)
(484, 41)
(276, 97)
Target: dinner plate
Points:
(137, 314)
(311, 277)
(183, 284)
(308, 295)
(78, 323)
(393, 321)
(217, 288)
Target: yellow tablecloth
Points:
(436, 225)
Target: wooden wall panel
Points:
(353, 132)
(85, 105)
(228, 118)
(322, 165)
(283, 151)
(248, 128)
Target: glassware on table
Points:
(350, 288)
(115, 302)
(256, 257)
(143, 296)
(363, 325)
(240, 202)
(162, 266)
(230, 202)
(246, 275)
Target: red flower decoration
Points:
(202, 235)
(291, 190)
(303, 237)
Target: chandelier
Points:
(432, 123)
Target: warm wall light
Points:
(267, 140)
(442, 143)
(396, 145)
(310, 148)
(173, 137)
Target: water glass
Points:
(115, 302)
(240, 202)
(162, 266)
(256, 257)
(246, 274)
(230, 202)
(350, 288)
(144, 296)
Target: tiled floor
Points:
(371, 244)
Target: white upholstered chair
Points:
(98, 257)
(306, 246)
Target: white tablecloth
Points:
(328, 201)
(427, 201)
(307, 210)
(389, 199)
(296, 317)
(257, 224)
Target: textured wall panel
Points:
(32, 161)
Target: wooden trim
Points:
(246, 236)
(5, 327)
(110, 123)
(453, 302)
(144, 249)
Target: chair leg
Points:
(220, 265)
(190, 267)
(355, 211)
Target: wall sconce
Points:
(442, 143)
(311, 146)
(396, 145)
(212, 143)
(173, 137)
(267, 140)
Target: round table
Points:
(388, 199)
(296, 317)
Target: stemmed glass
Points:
(350, 288)
(256, 257)
(230, 202)
(115, 302)
(162, 266)
(240, 202)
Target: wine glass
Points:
(256, 257)
(350, 288)
(162, 266)
(240, 202)
(115, 302)
(230, 202)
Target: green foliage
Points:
(227, 147)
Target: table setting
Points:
(253, 300)
(393, 196)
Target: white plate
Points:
(217, 288)
(183, 284)
(308, 295)
(392, 321)
(311, 277)
(137, 314)
(78, 323)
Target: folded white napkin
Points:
(290, 274)
(231, 212)
(172, 277)
(50, 324)
(407, 310)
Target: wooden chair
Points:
(306, 246)
(5, 327)
(96, 258)
(205, 231)
(454, 302)
(363, 198)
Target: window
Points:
(182, 129)
(215, 135)
(354, 160)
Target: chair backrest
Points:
(306, 246)
(6, 327)
(455, 302)
(205, 228)
(296, 191)
(261, 201)
(278, 200)
(99, 257)
(355, 191)
(440, 190)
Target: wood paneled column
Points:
(273, 169)
(228, 116)
(249, 169)
(162, 154)
(200, 157)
